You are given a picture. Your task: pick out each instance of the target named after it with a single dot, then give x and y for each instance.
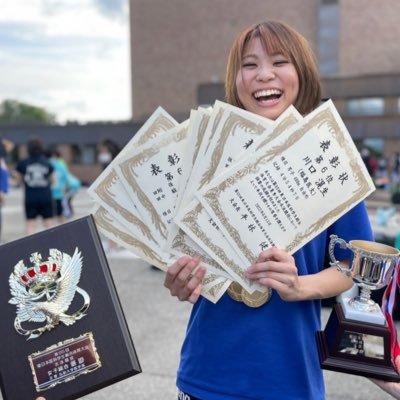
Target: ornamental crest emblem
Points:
(44, 291)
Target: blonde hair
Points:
(278, 37)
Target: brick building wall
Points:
(179, 44)
(369, 37)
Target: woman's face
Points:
(267, 84)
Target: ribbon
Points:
(388, 304)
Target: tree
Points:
(13, 111)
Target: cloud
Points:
(70, 57)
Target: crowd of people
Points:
(384, 171)
(49, 185)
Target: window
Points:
(376, 145)
(328, 34)
(84, 154)
(366, 106)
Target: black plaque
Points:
(67, 361)
(357, 348)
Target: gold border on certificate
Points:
(108, 191)
(128, 172)
(119, 234)
(326, 115)
(192, 218)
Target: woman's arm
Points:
(276, 269)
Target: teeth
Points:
(269, 92)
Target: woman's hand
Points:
(184, 278)
(393, 388)
(276, 269)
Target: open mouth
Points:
(265, 95)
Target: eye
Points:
(281, 62)
(249, 65)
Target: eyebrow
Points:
(250, 56)
(276, 54)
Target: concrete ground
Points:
(157, 321)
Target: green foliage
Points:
(13, 111)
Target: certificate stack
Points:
(225, 185)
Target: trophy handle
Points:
(337, 240)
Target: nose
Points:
(265, 74)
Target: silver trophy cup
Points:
(371, 268)
(356, 339)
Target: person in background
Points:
(36, 173)
(370, 161)
(59, 185)
(4, 180)
(381, 176)
(107, 150)
(232, 351)
(73, 186)
(396, 168)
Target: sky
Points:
(70, 57)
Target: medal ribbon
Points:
(388, 303)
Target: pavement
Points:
(157, 321)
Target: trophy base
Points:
(373, 316)
(357, 348)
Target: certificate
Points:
(214, 285)
(290, 190)
(109, 192)
(118, 233)
(151, 175)
(194, 219)
(198, 122)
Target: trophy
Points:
(356, 339)
(55, 290)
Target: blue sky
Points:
(69, 56)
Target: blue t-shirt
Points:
(4, 179)
(234, 352)
(59, 185)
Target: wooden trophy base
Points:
(357, 348)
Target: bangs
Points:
(272, 41)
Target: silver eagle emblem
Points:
(44, 292)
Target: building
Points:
(77, 143)
(179, 49)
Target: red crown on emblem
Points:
(42, 273)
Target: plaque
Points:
(356, 339)
(56, 288)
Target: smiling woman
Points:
(232, 349)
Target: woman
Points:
(232, 351)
